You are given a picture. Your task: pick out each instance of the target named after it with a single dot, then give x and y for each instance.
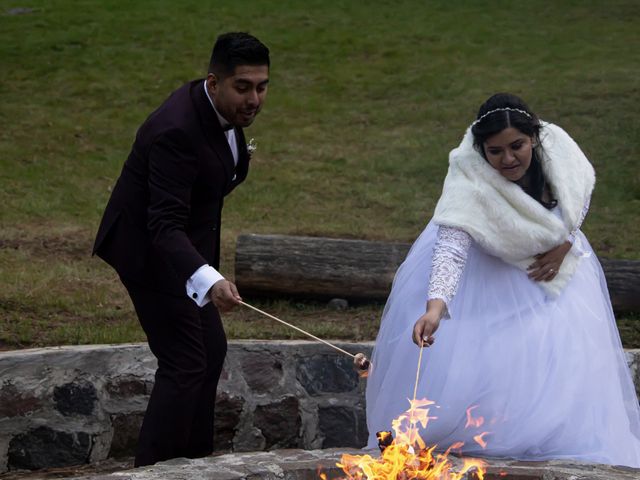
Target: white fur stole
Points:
(502, 218)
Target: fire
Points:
(407, 457)
(473, 422)
(477, 423)
(479, 439)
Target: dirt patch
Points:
(6, 346)
(39, 241)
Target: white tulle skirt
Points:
(548, 376)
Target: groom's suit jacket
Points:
(162, 221)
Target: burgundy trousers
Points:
(190, 345)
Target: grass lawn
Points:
(366, 100)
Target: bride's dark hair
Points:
(504, 110)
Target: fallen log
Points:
(316, 267)
(623, 281)
(359, 270)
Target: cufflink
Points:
(194, 295)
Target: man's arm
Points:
(173, 168)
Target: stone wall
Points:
(73, 405)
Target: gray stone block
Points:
(44, 447)
(227, 418)
(320, 374)
(261, 371)
(342, 426)
(279, 423)
(75, 398)
(126, 387)
(126, 428)
(14, 402)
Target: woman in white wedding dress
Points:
(518, 316)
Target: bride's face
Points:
(509, 152)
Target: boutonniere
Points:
(252, 146)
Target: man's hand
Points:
(224, 295)
(547, 264)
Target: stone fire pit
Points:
(306, 465)
(67, 406)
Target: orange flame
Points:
(408, 457)
(471, 421)
(479, 439)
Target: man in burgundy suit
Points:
(161, 233)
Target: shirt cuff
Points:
(201, 282)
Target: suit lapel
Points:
(212, 130)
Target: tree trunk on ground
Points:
(623, 280)
(313, 267)
(325, 268)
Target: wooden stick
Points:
(412, 425)
(298, 329)
(415, 388)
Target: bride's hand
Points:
(425, 327)
(547, 264)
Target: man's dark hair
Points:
(236, 48)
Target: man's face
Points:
(239, 97)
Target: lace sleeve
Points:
(585, 210)
(449, 258)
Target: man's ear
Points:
(212, 82)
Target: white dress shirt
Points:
(199, 284)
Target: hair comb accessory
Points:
(502, 109)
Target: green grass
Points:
(365, 102)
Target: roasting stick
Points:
(412, 426)
(299, 329)
(415, 388)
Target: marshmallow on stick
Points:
(361, 364)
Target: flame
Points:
(473, 422)
(479, 439)
(407, 457)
